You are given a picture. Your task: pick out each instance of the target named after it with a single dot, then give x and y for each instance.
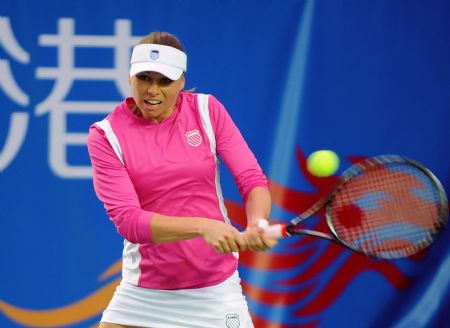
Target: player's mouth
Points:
(153, 102)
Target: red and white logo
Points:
(194, 138)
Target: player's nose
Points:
(152, 88)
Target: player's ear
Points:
(129, 80)
(183, 82)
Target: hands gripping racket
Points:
(386, 207)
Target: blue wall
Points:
(360, 77)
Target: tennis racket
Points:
(385, 207)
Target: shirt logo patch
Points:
(194, 138)
(232, 321)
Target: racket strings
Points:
(390, 210)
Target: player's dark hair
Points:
(162, 38)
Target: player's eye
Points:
(165, 81)
(143, 77)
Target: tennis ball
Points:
(322, 163)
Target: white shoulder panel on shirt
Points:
(203, 108)
(112, 138)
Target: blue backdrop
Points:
(360, 77)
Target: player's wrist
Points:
(199, 226)
(257, 222)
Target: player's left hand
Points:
(256, 238)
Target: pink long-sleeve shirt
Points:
(170, 168)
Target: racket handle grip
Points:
(276, 231)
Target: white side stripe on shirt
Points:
(110, 135)
(203, 108)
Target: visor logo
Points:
(154, 54)
(194, 138)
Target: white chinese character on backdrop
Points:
(19, 120)
(66, 73)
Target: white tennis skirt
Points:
(218, 306)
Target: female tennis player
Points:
(156, 170)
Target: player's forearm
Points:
(223, 237)
(172, 228)
(258, 205)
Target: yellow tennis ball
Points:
(322, 163)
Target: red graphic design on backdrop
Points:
(281, 259)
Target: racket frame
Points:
(347, 175)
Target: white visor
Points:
(166, 60)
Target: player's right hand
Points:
(223, 237)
